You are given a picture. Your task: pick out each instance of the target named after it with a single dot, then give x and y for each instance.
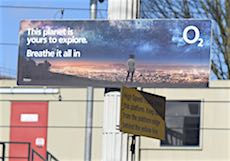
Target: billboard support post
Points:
(89, 122)
(93, 9)
(89, 106)
(133, 147)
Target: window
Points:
(182, 123)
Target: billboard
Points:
(142, 113)
(109, 53)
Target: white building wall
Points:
(215, 126)
(68, 143)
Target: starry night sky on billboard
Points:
(157, 41)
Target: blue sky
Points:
(13, 11)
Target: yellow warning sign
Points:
(142, 113)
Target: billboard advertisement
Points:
(111, 53)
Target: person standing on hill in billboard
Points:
(130, 67)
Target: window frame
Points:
(200, 146)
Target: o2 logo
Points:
(196, 37)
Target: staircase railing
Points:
(31, 154)
(4, 156)
(3, 151)
(34, 153)
(50, 157)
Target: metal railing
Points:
(50, 157)
(3, 155)
(3, 151)
(32, 155)
(172, 138)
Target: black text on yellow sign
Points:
(142, 113)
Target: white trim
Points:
(202, 104)
(29, 90)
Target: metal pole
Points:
(29, 151)
(89, 121)
(32, 154)
(93, 9)
(132, 148)
(89, 108)
(3, 151)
